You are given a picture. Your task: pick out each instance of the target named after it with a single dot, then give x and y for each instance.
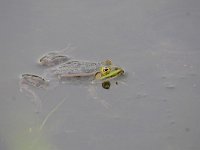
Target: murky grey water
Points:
(156, 106)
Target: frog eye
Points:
(105, 70)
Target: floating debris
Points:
(169, 86)
(141, 95)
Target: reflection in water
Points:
(29, 139)
(93, 93)
(51, 112)
(31, 136)
(106, 84)
(30, 92)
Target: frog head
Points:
(108, 72)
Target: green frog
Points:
(63, 67)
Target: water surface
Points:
(156, 106)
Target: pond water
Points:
(155, 106)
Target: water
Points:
(156, 106)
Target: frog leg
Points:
(98, 75)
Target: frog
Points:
(60, 67)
